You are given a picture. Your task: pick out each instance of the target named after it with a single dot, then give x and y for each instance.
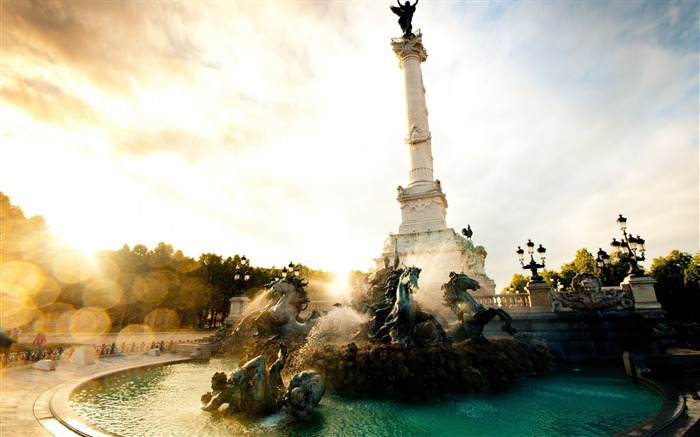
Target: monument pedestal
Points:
(238, 304)
(539, 296)
(438, 253)
(643, 291)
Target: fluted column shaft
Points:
(411, 54)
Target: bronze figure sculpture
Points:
(253, 390)
(280, 316)
(405, 13)
(397, 321)
(471, 315)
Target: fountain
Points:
(386, 345)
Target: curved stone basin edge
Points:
(62, 418)
(673, 408)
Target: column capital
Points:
(409, 48)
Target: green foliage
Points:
(518, 284)
(137, 285)
(677, 284)
(691, 276)
(552, 277)
(584, 262)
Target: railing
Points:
(514, 300)
(320, 305)
(19, 358)
(505, 300)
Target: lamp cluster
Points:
(532, 265)
(291, 269)
(240, 268)
(629, 247)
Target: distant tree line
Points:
(677, 279)
(160, 287)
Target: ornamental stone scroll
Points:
(417, 136)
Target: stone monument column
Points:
(424, 240)
(422, 202)
(411, 53)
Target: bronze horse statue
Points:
(471, 315)
(399, 326)
(283, 301)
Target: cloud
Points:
(276, 128)
(47, 102)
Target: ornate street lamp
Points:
(291, 269)
(603, 262)
(630, 248)
(532, 265)
(241, 272)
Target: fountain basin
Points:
(164, 400)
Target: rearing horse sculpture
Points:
(400, 324)
(471, 315)
(285, 299)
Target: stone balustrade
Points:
(17, 358)
(504, 300)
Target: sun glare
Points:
(340, 287)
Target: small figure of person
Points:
(405, 13)
(39, 341)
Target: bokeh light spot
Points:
(136, 334)
(102, 293)
(21, 279)
(72, 267)
(15, 311)
(48, 293)
(151, 288)
(106, 268)
(88, 324)
(163, 319)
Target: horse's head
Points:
(292, 291)
(463, 282)
(410, 278)
(218, 381)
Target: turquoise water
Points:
(164, 401)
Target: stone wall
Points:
(592, 336)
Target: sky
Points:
(274, 129)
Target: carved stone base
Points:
(422, 208)
(643, 291)
(438, 253)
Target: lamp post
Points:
(291, 269)
(603, 262)
(630, 248)
(241, 273)
(532, 265)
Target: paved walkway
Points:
(26, 393)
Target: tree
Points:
(518, 284)
(583, 262)
(691, 277)
(671, 290)
(23, 238)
